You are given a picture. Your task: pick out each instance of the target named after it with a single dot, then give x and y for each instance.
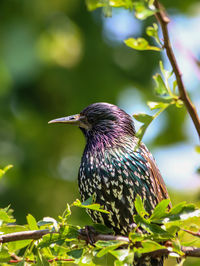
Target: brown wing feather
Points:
(159, 185)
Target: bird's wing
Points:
(159, 185)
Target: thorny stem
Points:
(163, 20)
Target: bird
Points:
(115, 166)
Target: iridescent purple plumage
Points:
(113, 168)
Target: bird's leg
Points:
(89, 233)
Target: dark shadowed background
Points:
(55, 59)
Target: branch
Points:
(37, 234)
(23, 235)
(163, 20)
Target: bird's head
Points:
(101, 119)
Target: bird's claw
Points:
(89, 233)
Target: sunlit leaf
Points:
(157, 105)
(179, 103)
(4, 253)
(174, 86)
(143, 118)
(139, 206)
(136, 237)
(140, 133)
(149, 246)
(41, 260)
(7, 229)
(107, 246)
(167, 74)
(160, 210)
(153, 32)
(95, 206)
(5, 217)
(121, 254)
(140, 44)
(17, 245)
(32, 222)
(142, 11)
(5, 169)
(181, 212)
(94, 4)
(151, 228)
(160, 88)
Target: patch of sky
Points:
(131, 101)
(178, 165)
(120, 26)
(185, 39)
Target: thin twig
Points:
(163, 20)
(32, 261)
(192, 233)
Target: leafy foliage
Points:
(62, 243)
(5, 169)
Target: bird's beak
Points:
(72, 119)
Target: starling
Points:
(114, 169)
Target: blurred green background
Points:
(55, 59)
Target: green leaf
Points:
(139, 206)
(5, 217)
(140, 133)
(153, 229)
(179, 103)
(153, 32)
(104, 243)
(157, 105)
(18, 245)
(140, 44)
(41, 261)
(49, 222)
(181, 212)
(197, 148)
(95, 206)
(76, 253)
(167, 74)
(174, 85)
(31, 222)
(94, 4)
(49, 239)
(4, 253)
(120, 254)
(107, 246)
(149, 246)
(142, 11)
(160, 88)
(143, 118)
(67, 212)
(7, 229)
(5, 169)
(136, 237)
(160, 210)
